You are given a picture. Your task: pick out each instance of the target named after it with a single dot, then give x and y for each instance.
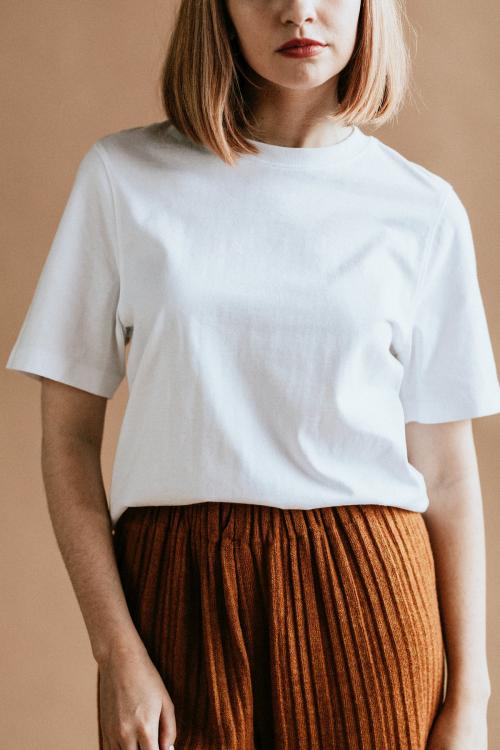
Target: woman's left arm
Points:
(445, 454)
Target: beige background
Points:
(73, 71)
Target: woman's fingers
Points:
(135, 707)
(167, 727)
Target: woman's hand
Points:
(135, 707)
(460, 726)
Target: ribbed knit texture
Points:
(278, 629)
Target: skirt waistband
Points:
(220, 521)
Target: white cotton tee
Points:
(283, 318)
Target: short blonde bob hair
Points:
(203, 71)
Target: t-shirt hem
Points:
(415, 504)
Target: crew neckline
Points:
(350, 145)
(303, 156)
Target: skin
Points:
(446, 456)
(291, 107)
(135, 705)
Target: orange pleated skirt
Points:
(280, 629)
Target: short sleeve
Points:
(449, 366)
(71, 331)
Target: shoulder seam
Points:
(427, 248)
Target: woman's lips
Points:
(307, 50)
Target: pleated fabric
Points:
(279, 629)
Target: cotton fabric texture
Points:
(285, 317)
(276, 628)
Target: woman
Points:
(295, 479)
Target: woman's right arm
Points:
(135, 704)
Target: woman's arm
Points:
(72, 426)
(445, 454)
(135, 706)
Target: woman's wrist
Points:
(468, 692)
(116, 648)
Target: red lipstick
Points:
(301, 47)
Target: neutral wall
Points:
(73, 71)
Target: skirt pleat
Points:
(277, 629)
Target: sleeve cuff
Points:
(81, 375)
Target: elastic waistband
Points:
(248, 523)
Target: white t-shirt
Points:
(286, 316)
